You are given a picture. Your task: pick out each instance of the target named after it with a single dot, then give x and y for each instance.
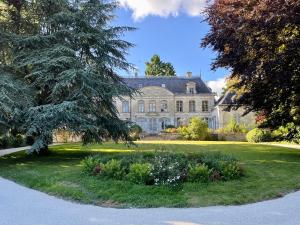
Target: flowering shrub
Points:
(168, 169)
(164, 168)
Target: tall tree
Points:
(260, 42)
(70, 64)
(156, 67)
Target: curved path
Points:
(23, 206)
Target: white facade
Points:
(156, 107)
(173, 101)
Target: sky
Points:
(173, 29)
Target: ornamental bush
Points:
(199, 173)
(12, 141)
(169, 169)
(16, 141)
(163, 168)
(4, 142)
(290, 132)
(89, 165)
(113, 169)
(140, 173)
(259, 135)
(135, 132)
(196, 130)
(231, 171)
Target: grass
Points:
(270, 172)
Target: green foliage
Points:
(196, 130)
(11, 141)
(89, 164)
(290, 132)
(16, 141)
(4, 142)
(264, 55)
(234, 127)
(135, 132)
(259, 135)
(113, 169)
(70, 183)
(171, 130)
(164, 168)
(156, 67)
(65, 55)
(170, 126)
(14, 100)
(140, 173)
(231, 171)
(199, 173)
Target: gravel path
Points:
(294, 146)
(23, 206)
(12, 150)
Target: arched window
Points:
(141, 106)
(125, 106)
(192, 106)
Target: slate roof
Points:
(177, 85)
(226, 99)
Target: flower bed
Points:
(164, 168)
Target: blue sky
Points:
(174, 35)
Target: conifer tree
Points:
(70, 65)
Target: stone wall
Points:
(222, 118)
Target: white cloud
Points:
(163, 8)
(217, 85)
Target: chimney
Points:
(189, 75)
(136, 74)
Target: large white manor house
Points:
(162, 101)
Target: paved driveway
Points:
(23, 206)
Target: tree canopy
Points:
(260, 42)
(156, 67)
(62, 57)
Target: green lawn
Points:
(270, 172)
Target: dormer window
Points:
(191, 88)
(163, 85)
(140, 85)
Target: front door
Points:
(153, 125)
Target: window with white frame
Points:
(205, 106)
(125, 106)
(141, 106)
(192, 106)
(164, 106)
(192, 90)
(152, 106)
(179, 106)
